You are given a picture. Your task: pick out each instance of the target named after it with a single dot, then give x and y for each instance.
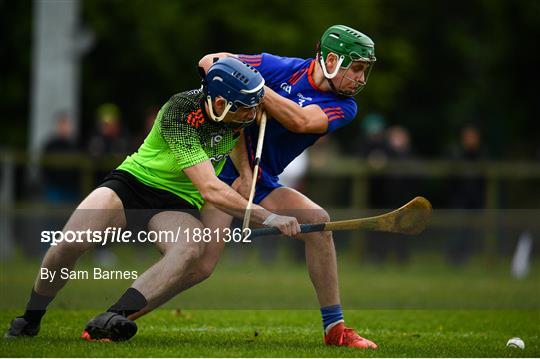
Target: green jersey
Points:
(182, 136)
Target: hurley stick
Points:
(260, 141)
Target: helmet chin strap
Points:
(211, 110)
(338, 66)
(341, 93)
(332, 86)
(239, 124)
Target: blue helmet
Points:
(237, 82)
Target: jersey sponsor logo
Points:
(218, 158)
(302, 99)
(194, 92)
(286, 87)
(215, 140)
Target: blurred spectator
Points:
(110, 138)
(373, 145)
(324, 151)
(398, 189)
(466, 193)
(61, 185)
(322, 155)
(392, 191)
(373, 149)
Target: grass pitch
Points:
(247, 309)
(279, 333)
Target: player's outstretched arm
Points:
(226, 199)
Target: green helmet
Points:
(345, 41)
(350, 45)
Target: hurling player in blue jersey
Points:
(305, 99)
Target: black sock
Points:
(36, 307)
(130, 302)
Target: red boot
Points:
(343, 336)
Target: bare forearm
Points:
(219, 194)
(229, 201)
(288, 113)
(240, 159)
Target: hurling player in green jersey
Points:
(174, 171)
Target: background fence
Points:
(342, 186)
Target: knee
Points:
(204, 269)
(190, 252)
(113, 201)
(194, 252)
(69, 250)
(318, 215)
(102, 198)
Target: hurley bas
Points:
(95, 273)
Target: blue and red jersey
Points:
(292, 79)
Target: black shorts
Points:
(141, 202)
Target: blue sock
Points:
(331, 315)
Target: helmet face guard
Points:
(359, 86)
(234, 124)
(239, 84)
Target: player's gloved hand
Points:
(242, 185)
(287, 225)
